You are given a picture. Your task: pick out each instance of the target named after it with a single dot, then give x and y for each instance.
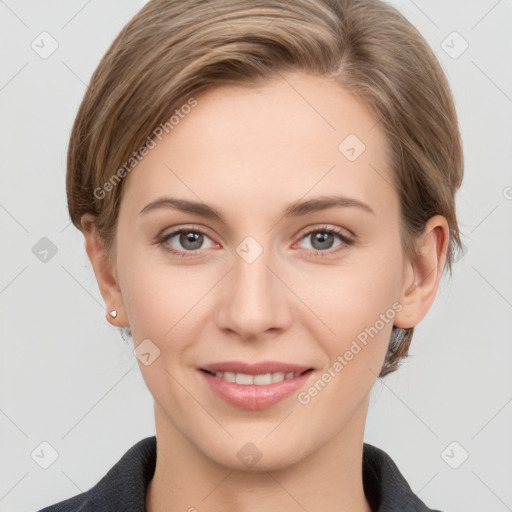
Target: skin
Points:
(249, 153)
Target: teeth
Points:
(277, 377)
(229, 376)
(242, 378)
(259, 380)
(263, 379)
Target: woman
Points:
(267, 196)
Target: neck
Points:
(328, 480)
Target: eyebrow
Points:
(295, 209)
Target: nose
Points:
(254, 300)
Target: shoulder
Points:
(122, 488)
(385, 487)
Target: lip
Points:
(251, 396)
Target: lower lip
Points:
(252, 396)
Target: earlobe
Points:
(423, 273)
(104, 270)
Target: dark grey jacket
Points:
(123, 488)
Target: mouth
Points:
(254, 386)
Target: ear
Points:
(104, 269)
(422, 275)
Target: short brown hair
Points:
(172, 49)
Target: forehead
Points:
(279, 141)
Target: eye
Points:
(321, 240)
(187, 240)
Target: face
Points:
(260, 276)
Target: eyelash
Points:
(185, 254)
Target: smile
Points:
(254, 386)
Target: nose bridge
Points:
(254, 301)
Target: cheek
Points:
(141, 299)
(351, 297)
(156, 296)
(158, 299)
(358, 305)
(356, 302)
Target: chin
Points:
(253, 457)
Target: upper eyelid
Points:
(192, 228)
(325, 227)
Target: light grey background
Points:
(68, 378)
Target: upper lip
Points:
(254, 368)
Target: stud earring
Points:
(113, 313)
